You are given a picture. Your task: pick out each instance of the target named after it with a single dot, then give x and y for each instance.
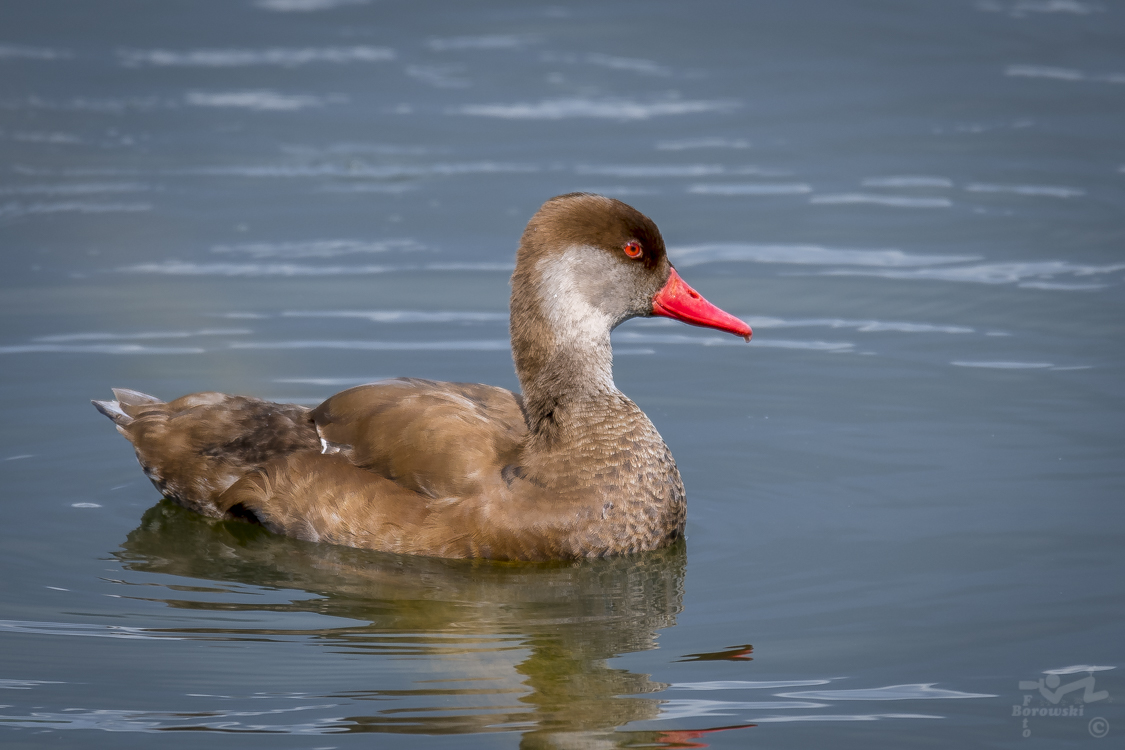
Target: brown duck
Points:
(571, 468)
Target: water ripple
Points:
(355, 169)
(99, 349)
(305, 6)
(1062, 74)
(403, 316)
(608, 109)
(631, 64)
(842, 717)
(907, 181)
(651, 170)
(185, 268)
(863, 326)
(153, 721)
(484, 345)
(23, 52)
(34, 136)
(999, 365)
(229, 58)
(1052, 191)
(998, 273)
(83, 629)
(317, 248)
(633, 337)
(1020, 8)
(91, 188)
(487, 42)
(895, 201)
(795, 188)
(139, 335)
(26, 684)
(16, 210)
(698, 143)
(745, 684)
(693, 255)
(261, 100)
(692, 709)
(918, 691)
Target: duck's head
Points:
(587, 263)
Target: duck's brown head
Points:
(597, 259)
(586, 264)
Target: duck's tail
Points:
(197, 446)
(116, 410)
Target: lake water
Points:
(905, 521)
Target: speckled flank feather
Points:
(571, 468)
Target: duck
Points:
(569, 468)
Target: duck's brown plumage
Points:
(572, 468)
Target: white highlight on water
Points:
(329, 382)
(650, 170)
(700, 143)
(863, 326)
(761, 188)
(1020, 8)
(231, 58)
(98, 349)
(631, 64)
(635, 337)
(40, 137)
(23, 52)
(1051, 191)
(403, 316)
(485, 345)
(908, 181)
(16, 210)
(1062, 74)
(439, 76)
(77, 188)
(693, 255)
(305, 6)
(263, 100)
(607, 109)
(1004, 365)
(745, 684)
(317, 248)
(139, 335)
(918, 691)
(894, 201)
(486, 42)
(996, 273)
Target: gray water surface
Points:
(904, 524)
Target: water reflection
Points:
(520, 647)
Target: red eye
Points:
(633, 249)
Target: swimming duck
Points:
(569, 468)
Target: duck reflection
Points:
(520, 646)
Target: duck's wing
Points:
(441, 440)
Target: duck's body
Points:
(572, 468)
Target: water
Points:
(904, 496)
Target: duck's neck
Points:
(560, 344)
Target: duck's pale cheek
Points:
(572, 317)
